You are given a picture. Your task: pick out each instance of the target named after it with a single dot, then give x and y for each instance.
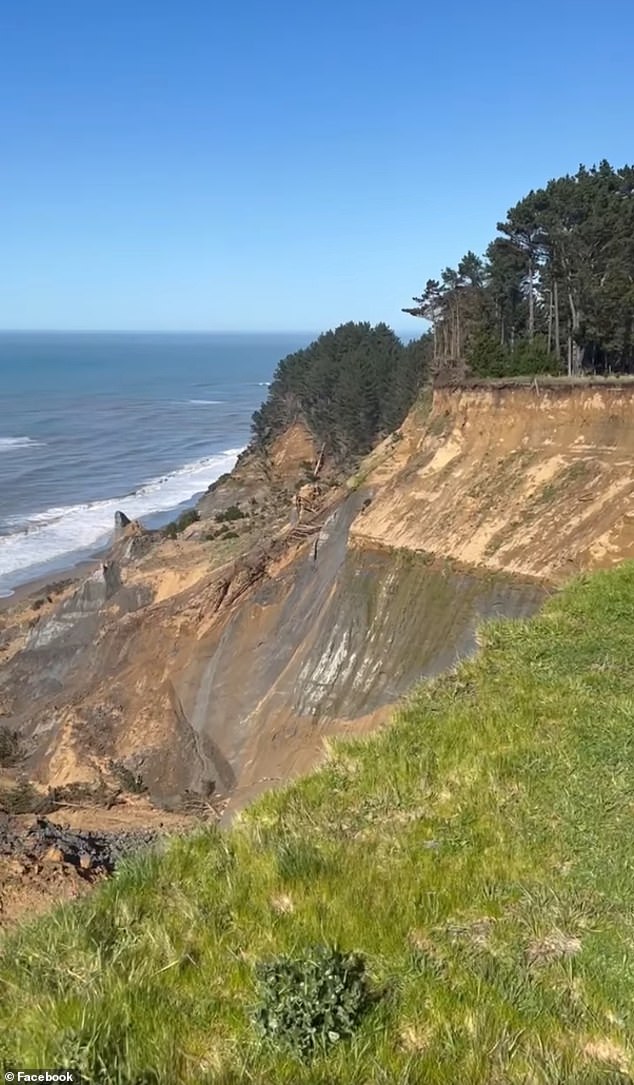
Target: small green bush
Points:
(128, 780)
(224, 532)
(190, 516)
(311, 1002)
(174, 528)
(232, 513)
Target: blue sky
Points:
(207, 165)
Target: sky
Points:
(206, 165)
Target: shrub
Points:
(21, 798)
(534, 358)
(128, 780)
(310, 1002)
(488, 358)
(9, 746)
(174, 528)
(232, 513)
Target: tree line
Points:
(554, 291)
(350, 387)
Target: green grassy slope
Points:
(479, 852)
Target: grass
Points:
(477, 853)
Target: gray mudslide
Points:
(337, 638)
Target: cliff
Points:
(533, 479)
(218, 662)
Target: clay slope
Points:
(234, 681)
(535, 480)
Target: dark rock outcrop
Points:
(121, 521)
(87, 851)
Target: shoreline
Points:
(74, 571)
(78, 570)
(37, 587)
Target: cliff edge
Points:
(533, 479)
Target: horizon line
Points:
(156, 331)
(185, 331)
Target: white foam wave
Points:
(58, 533)
(8, 444)
(204, 402)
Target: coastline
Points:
(40, 586)
(75, 571)
(70, 570)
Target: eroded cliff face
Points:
(216, 663)
(327, 645)
(235, 681)
(536, 480)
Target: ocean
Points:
(92, 423)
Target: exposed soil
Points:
(46, 860)
(532, 478)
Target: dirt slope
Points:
(533, 480)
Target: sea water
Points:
(92, 423)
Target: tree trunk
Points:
(627, 341)
(556, 305)
(550, 320)
(574, 353)
(531, 300)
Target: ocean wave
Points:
(8, 444)
(204, 402)
(69, 532)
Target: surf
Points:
(65, 534)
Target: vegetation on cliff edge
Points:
(477, 855)
(554, 291)
(351, 387)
